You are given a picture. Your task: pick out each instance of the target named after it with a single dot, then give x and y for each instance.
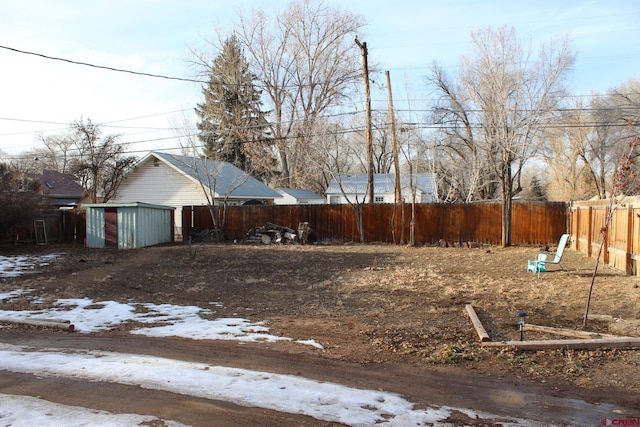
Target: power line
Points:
(149, 115)
(138, 73)
(107, 124)
(103, 67)
(174, 78)
(415, 125)
(33, 121)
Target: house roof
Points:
(221, 177)
(383, 183)
(62, 189)
(299, 194)
(62, 185)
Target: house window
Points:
(334, 200)
(378, 199)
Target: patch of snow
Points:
(284, 393)
(13, 266)
(167, 320)
(24, 411)
(13, 294)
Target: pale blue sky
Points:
(154, 36)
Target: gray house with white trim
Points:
(291, 196)
(353, 187)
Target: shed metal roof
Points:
(126, 205)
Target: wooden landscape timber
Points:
(582, 340)
(477, 324)
(572, 333)
(576, 344)
(47, 323)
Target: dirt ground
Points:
(375, 308)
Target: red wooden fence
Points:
(533, 223)
(622, 243)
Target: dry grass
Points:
(376, 303)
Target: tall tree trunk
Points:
(358, 213)
(217, 227)
(507, 207)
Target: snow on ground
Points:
(284, 393)
(12, 266)
(164, 320)
(23, 411)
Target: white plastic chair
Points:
(540, 264)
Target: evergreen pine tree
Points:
(232, 125)
(538, 191)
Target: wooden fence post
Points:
(629, 246)
(589, 230)
(454, 223)
(574, 228)
(605, 248)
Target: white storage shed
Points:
(128, 225)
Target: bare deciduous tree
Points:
(597, 151)
(381, 148)
(57, 152)
(503, 98)
(582, 149)
(459, 160)
(564, 154)
(305, 58)
(625, 100)
(99, 163)
(331, 143)
(217, 179)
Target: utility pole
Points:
(394, 141)
(365, 66)
(396, 162)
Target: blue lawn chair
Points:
(537, 265)
(540, 264)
